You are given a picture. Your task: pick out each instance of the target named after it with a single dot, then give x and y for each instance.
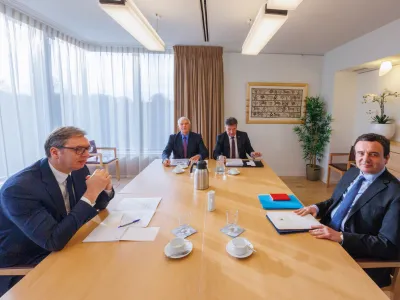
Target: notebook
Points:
(181, 161)
(289, 222)
(280, 197)
(267, 202)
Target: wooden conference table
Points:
(295, 266)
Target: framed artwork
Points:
(275, 103)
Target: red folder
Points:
(280, 197)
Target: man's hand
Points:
(195, 158)
(325, 232)
(96, 183)
(255, 154)
(166, 162)
(307, 210)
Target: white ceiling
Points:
(316, 27)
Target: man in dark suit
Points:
(363, 213)
(44, 205)
(185, 144)
(233, 143)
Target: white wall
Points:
(371, 83)
(370, 47)
(277, 142)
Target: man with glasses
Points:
(233, 143)
(363, 214)
(44, 205)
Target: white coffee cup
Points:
(177, 245)
(239, 245)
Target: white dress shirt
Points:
(62, 183)
(230, 147)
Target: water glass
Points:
(232, 216)
(220, 169)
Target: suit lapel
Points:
(179, 144)
(238, 143)
(52, 187)
(189, 146)
(378, 185)
(227, 146)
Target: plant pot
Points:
(387, 130)
(313, 173)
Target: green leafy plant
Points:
(381, 100)
(315, 131)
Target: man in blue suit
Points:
(44, 205)
(363, 214)
(185, 144)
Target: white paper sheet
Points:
(135, 204)
(287, 220)
(251, 163)
(234, 162)
(182, 161)
(113, 219)
(145, 217)
(140, 234)
(103, 233)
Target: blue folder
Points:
(267, 202)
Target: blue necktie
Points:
(345, 205)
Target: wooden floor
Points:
(309, 192)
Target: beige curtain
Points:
(198, 88)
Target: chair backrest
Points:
(93, 145)
(352, 155)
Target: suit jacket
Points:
(33, 217)
(372, 229)
(223, 147)
(195, 146)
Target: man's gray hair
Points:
(60, 136)
(182, 119)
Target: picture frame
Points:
(275, 102)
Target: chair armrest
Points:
(15, 271)
(100, 155)
(373, 264)
(109, 148)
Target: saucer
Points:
(178, 172)
(184, 166)
(234, 174)
(229, 249)
(188, 249)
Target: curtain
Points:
(122, 97)
(198, 90)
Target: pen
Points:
(129, 223)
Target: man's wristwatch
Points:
(341, 237)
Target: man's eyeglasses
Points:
(78, 150)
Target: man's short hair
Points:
(373, 137)
(182, 119)
(60, 136)
(231, 121)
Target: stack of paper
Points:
(290, 222)
(234, 162)
(182, 161)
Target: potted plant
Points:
(314, 134)
(381, 123)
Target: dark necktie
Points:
(185, 147)
(233, 147)
(345, 205)
(71, 196)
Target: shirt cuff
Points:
(109, 192)
(316, 207)
(87, 201)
